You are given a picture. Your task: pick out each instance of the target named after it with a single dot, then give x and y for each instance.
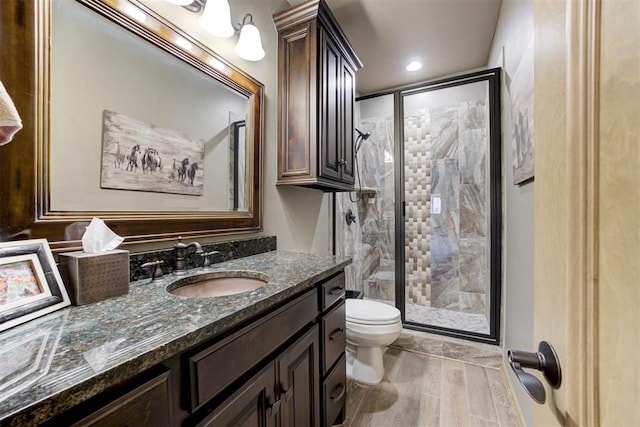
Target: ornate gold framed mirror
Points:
(168, 94)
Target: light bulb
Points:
(216, 18)
(414, 66)
(249, 45)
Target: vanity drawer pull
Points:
(337, 333)
(336, 290)
(337, 392)
(333, 290)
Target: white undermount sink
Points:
(218, 283)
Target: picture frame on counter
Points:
(30, 284)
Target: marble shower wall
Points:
(446, 243)
(370, 240)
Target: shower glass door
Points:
(448, 277)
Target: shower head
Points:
(362, 137)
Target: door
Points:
(587, 208)
(330, 111)
(448, 274)
(253, 405)
(297, 371)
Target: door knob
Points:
(544, 360)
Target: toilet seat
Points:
(367, 312)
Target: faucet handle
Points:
(155, 267)
(205, 256)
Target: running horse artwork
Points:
(192, 172)
(151, 160)
(133, 158)
(182, 169)
(120, 156)
(129, 143)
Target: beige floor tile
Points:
(501, 398)
(453, 403)
(480, 422)
(479, 394)
(421, 372)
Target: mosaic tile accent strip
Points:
(417, 189)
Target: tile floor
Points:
(434, 382)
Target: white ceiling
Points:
(447, 36)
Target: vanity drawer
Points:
(334, 336)
(145, 401)
(332, 291)
(216, 367)
(334, 392)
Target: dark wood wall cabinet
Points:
(316, 95)
(285, 368)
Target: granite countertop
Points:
(77, 352)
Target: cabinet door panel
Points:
(330, 135)
(149, 404)
(298, 381)
(251, 406)
(348, 149)
(297, 156)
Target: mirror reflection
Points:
(133, 128)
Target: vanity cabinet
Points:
(284, 368)
(316, 72)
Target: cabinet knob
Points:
(288, 393)
(274, 409)
(341, 162)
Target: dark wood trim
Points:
(25, 210)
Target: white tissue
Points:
(99, 238)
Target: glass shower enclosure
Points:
(427, 205)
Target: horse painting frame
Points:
(157, 159)
(30, 284)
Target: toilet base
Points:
(364, 364)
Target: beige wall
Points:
(300, 218)
(513, 33)
(619, 292)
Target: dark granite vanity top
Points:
(77, 352)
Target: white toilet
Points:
(371, 327)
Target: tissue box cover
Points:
(93, 277)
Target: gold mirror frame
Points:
(25, 210)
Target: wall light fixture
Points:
(216, 20)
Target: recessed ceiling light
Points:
(414, 66)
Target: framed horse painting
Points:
(141, 156)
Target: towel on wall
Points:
(10, 122)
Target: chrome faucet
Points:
(181, 250)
